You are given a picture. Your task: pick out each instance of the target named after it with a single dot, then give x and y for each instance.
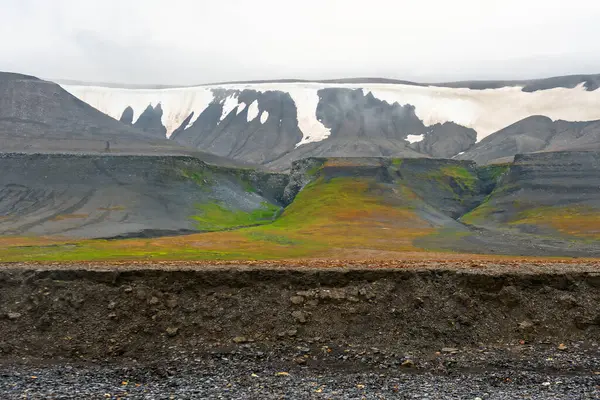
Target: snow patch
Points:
(253, 111)
(485, 111)
(177, 103)
(415, 138)
(306, 99)
(229, 104)
(264, 116)
(240, 108)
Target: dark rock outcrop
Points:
(360, 126)
(127, 116)
(446, 140)
(258, 140)
(150, 121)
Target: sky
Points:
(186, 42)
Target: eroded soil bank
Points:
(151, 314)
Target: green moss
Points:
(396, 162)
(464, 177)
(453, 176)
(479, 213)
(217, 217)
(493, 172)
(314, 170)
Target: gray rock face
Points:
(253, 141)
(127, 117)
(360, 125)
(534, 134)
(351, 114)
(106, 196)
(150, 121)
(446, 140)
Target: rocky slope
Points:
(535, 134)
(40, 116)
(275, 123)
(555, 194)
(90, 196)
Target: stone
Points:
(172, 331)
(300, 360)
(240, 339)
(526, 326)
(408, 364)
(297, 300)
(450, 350)
(153, 301)
(562, 347)
(172, 303)
(299, 316)
(112, 316)
(13, 315)
(112, 305)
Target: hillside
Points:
(542, 205)
(535, 134)
(102, 196)
(38, 116)
(553, 194)
(275, 123)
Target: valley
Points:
(360, 239)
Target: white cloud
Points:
(190, 41)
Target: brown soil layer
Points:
(152, 311)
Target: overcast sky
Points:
(200, 41)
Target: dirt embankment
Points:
(149, 314)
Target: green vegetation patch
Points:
(480, 213)
(493, 172)
(453, 177)
(216, 217)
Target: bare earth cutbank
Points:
(432, 329)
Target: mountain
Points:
(276, 122)
(535, 134)
(70, 170)
(40, 116)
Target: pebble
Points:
(13, 315)
(172, 331)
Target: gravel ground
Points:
(483, 374)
